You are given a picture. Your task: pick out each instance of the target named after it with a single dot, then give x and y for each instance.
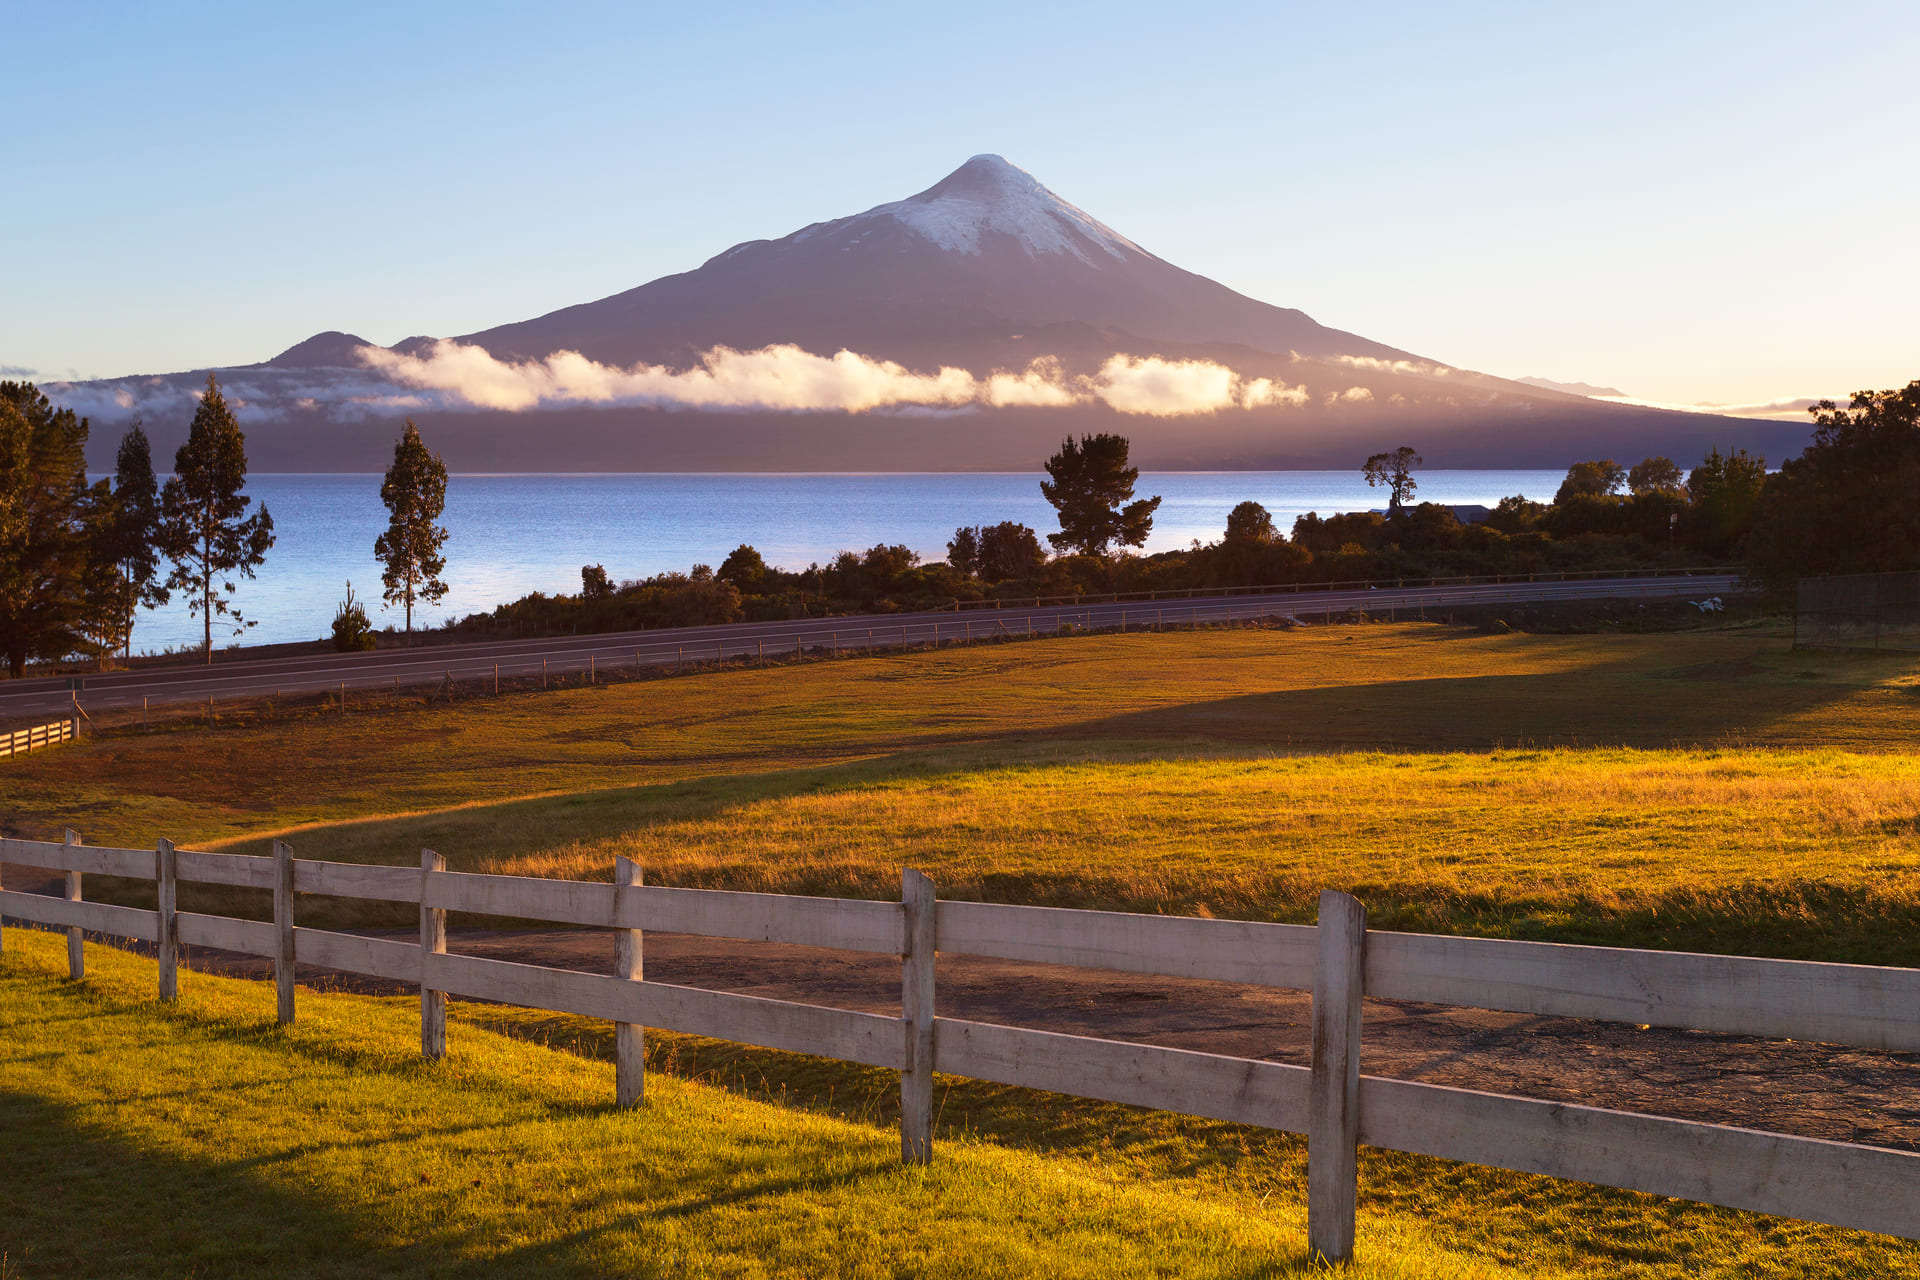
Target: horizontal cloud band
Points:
(787, 378)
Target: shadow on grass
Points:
(77, 1205)
(1614, 706)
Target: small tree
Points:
(1250, 522)
(1394, 471)
(204, 526)
(352, 629)
(415, 491)
(1654, 475)
(1089, 483)
(996, 552)
(744, 568)
(1725, 492)
(1009, 550)
(963, 553)
(594, 583)
(1597, 479)
(885, 565)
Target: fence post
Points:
(1333, 1120)
(168, 947)
(283, 930)
(76, 945)
(916, 1018)
(629, 1039)
(433, 942)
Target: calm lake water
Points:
(508, 535)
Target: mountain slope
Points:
(967, 327)
(951, 274)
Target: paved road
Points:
(570, 655)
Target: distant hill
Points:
(967, 327)
(1572, 388)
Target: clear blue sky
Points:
(1691, 202)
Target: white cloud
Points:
(1265, 391)
(779, 378)
(452, 375)
(1165, 388)
(1352, 395)
(1376, 365)
(787, 378)
(1043, 384)
(1784, 409)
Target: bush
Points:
(352, 630)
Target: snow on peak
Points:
(987, 195)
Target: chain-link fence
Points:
(1859, 611)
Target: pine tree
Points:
(44, 526)
(1088, 481)
(126, 553)
(204, 526)
(415, 491)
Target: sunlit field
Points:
(1712, 790)
(204, 1140)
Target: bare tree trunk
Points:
(206, 592)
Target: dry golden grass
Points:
(1232, 772)
(1783, 852)
(1405, 687)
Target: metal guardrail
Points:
(1352, 584)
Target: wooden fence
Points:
(1339, 961)
(38, 736)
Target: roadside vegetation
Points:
(1591, 525)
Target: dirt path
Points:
(1813, 1090)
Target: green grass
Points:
(202, 1140)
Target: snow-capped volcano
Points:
(987, 197)
(965, 273)
(967, 327)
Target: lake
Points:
(511, 534)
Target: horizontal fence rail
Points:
(34, 737)
(1338, 960)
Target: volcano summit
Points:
(964, 328)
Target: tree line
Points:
(80, 559)
(1841, 506)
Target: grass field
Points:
(1711, 790)
(202, 1140)
(205, 1141)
